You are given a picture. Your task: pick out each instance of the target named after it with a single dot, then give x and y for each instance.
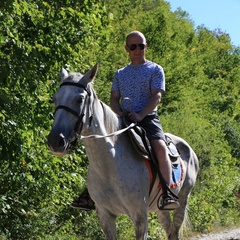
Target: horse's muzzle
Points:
(57, 144)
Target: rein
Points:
(111, 134)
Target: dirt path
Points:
(229, 234)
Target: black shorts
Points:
(151, 124)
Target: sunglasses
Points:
(140, 46)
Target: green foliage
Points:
(201, 104)
(37, 39)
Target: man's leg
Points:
(160, 150)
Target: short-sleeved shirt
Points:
(136, 82)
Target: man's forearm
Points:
(151, 105)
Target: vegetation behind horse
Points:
(201, 105)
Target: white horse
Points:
(118, 178)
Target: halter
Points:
(78, 126)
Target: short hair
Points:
(136, 33)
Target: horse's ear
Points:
(63, 74)
(90, 75)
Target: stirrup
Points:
(166, 202)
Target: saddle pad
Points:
(177, 174)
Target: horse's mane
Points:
(110, 118)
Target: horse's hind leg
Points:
(108, 224)
(178, 218)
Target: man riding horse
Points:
(142, 82)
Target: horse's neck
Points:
(99, 150)
(110, 119)
(108, 156)
(104, 120)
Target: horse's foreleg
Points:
(165, 221)
(141, 225)
(108, 224)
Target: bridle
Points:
(79, 124)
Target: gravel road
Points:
(229, 234)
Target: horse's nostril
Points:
(62, 140)
(57, 142)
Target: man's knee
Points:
(163, 145)
(159, 145)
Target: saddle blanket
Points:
(177, 173)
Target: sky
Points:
(213, 14)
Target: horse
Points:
(118, 177)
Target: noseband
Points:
(79, 124)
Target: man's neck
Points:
(136, 62)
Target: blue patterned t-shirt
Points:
(136, 82)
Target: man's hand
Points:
(135, 117)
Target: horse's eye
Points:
(79, 100)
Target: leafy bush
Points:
(201, 104)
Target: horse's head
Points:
(71, 112)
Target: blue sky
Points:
(213, 14)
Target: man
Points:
(142, 82)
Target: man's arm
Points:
(153, 102)
(114, 103)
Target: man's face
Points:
(136, 47)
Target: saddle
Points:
(142, 145)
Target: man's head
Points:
(136, 34)
(136, 46)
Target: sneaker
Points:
(83, 202)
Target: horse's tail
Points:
(186, 226)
